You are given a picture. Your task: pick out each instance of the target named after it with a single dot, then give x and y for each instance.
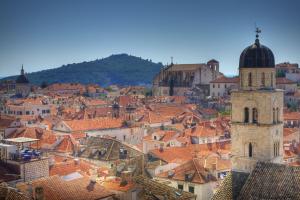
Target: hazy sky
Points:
(46, 34)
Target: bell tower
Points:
(257, 109)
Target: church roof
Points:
(185, 67)
(22, 79)
(267, 181)
(272, 181)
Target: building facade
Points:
(178, 79)
(257, 110)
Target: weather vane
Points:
(257, 30)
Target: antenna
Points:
(171, 60)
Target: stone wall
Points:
(34, 169)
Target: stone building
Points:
(22, 85)
(257, 109)
(257, 133)
(178, 79)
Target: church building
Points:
(22, 85)
(257, 133)
(179, 79)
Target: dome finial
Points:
(257, 35)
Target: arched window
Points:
(246, 115)
(250, 79)
(272, 79)
(263, 79)
(276, 149)
(277, 115)
(274, 116)
(254, 115)
(250, 150)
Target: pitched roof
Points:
(196, 167)
(55, 188)
(69, 166)
(9, 193)
(183, 154)
(93, 124)
(272, 181)
(224, 79)
(291, 115)
(283, 80)
(267, 181)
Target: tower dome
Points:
(257, 56)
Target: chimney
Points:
(39, 193)
(161, 147)
(76, 161)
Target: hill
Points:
(119, 69)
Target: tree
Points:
(44, 84)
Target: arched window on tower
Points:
(254, 115)
(277, 115)
(263, 79)
(272, 79)
(250, 149)
(276, 149)
(274, 116)
(246, 115)
(250, 79)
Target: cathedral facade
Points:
(178, 79)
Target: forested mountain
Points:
(120, 69)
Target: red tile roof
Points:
(224, 79)
(55, 188)
(93, 124)
(182, 154)
(283, 80)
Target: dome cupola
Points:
(257, 56)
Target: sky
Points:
(47, 34)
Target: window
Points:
(250, 79)
(218, 85)
(277, 115)
(154, 137)
(246, 115)
(180, 187)
(225, 86)
(213, 85)
(276, 149)
(272, 79)
(254, 115)
(263, 79)
(191, 189)
(250, 150)
(274, 117)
